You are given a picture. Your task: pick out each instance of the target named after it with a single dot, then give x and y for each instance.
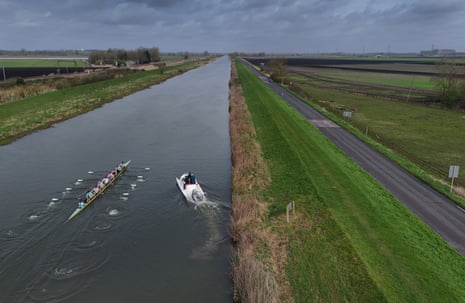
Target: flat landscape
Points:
(352, 241)
(395, 109)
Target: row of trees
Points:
(119, 57)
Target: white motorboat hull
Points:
(192, 192)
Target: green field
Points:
(430, 137)
(353, 242)
(399, 80)
(42, 63)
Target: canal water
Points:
(141, 241)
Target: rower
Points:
(82, 202)
(95, 190)
(89, 195)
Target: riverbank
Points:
(24, 116)
(258, 273)
(349, 240)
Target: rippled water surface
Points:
(141, 241)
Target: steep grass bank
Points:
(26, 115)
(351, 240)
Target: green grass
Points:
(41, 63)
(407, 81)
(431, 137)
(356, 243)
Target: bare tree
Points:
(448, 82)
(277, 69)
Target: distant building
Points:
(438, 53)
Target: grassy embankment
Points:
(351, 240)
(430, 137)
(254, 264)
(26, 115)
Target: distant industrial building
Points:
(438, 53)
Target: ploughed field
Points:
(27, 72)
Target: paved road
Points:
(435, 209)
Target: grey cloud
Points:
(228, 25)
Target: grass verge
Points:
(350, 240)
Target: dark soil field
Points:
(413, 66)
(27, 72)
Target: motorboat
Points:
(190, 188)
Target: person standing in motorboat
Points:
(192, 179)
(187, 179)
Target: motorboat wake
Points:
(190, 188)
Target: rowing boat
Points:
(81, 206)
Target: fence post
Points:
(290, 206)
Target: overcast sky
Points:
(271, 26)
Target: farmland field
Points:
(395, 109)
(399, 80)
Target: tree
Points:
(277, 69)
(448, 83)
(154, 54)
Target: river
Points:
(141, 241)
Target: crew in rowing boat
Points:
(96, 190)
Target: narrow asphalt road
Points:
(435, 209)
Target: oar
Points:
(91, 172)
(140, 168)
